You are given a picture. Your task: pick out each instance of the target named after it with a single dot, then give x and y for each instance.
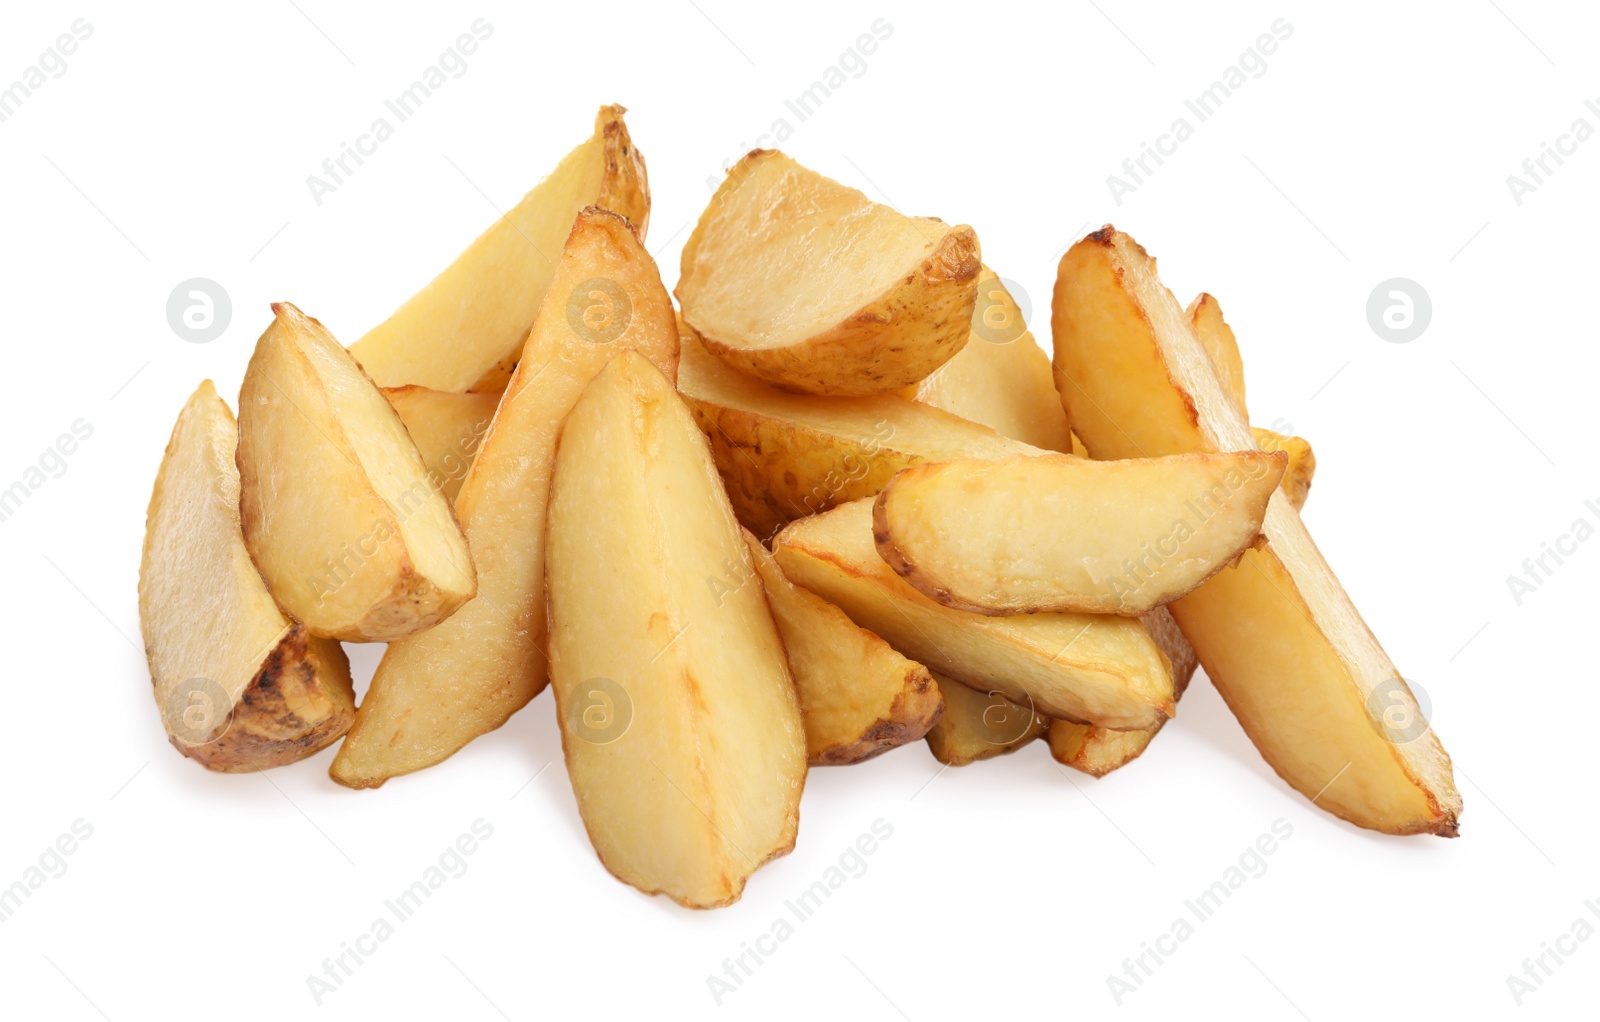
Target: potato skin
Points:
(299, 703)
(892, 342)
(909, 719)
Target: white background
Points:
(1377, 144)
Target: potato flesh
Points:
(858, 697)
(338, 513)
(784, 456)
(1277, 634)
(1302, 463)
(1003, 384)
(801, 281)
(467, 326)
(979, 725)
(276, 694)
(1091, 668)
(703, 785)
(1217, 338)
(447, 429)
(1054, 533)
(435, 692)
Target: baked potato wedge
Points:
(979, 725)
(435, 692)
(1053, 532)
(1098, 751)
(339, 514)
(1277, 634)
(466, 328)
(800, 281)
(1302, 463)
(784, 456)
(681, 729)
(1217, 338)
(239, 686)
(1001, 378)
(858, 697)
(1092, 668)
(447, 428)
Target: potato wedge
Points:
(800, 281)
(1092, 668)
(1098, 751)
(466, 328)
(1217, 338)
(784, 456)
(435, 692)
(858, 697)
(1053, 532)
(1278, 635)
(979, 725)
(1001, 378)
(339, 515)
(1302, 463)
(689, 776)
(239, 685)
(447, 429)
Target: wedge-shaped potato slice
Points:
(466, 328)
(1219, 342)
(1097, 750)
(679, 720)
(1302, 463)
(447, 429)
(1001, 379)
(1092, 668)
(784, 456)
(978, 725)
(339, 514)
(435, 692)
(1055, 532)
(239, 685)
(858, 697)
(802, 282)
(1278, 636)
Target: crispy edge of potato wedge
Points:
(1008, 537)
(1302, 463)
(894, 339)
(859, 698)
(702, 669)
(288, 693)
(1217, 337)
(1278, 635)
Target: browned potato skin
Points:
(1098, 751)
(287, 713)
(1296, 483)
(871, 351)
